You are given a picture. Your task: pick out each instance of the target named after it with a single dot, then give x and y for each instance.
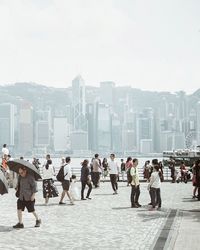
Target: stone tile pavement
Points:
(105, 222)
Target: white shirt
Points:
(5, 151)
(113, 167)
(155, 180)
(67, 172)
(48, 173)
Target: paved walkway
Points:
(106, 221)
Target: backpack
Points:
(129, 176)
(161, 176)
(60, 175)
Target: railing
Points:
(166, 173)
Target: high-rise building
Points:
(25, 128)
(145, 126)
(61, 138)
(78, 104)
(42, 134)
(7, 129)
(92, 126)
(79, 141)
(107, 92)
(103, 127)
(116, 134)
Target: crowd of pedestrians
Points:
(91, 173)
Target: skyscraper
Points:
(25, 128)
(7, 115)
(103, 127)
(107, 92)
(78, 104)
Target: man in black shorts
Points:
(27, 189)
(66, 182)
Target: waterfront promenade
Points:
(106, 221)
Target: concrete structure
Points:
(25, 129)
(107, 92)
(78, 104)
(61, 138)
(103, 127)
(7, 126)
(42, 134)
(79, 140)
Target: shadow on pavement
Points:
(5, 229)
(103, 194)
(120, 208)
(191, 214)
(49, 205)
(154, 215)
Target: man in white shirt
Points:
(66, 182)
(114, 172)
(135, 185)
(5, 151)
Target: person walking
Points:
(172, 169)
(197, 175)
(49, 189)
(123, 169)
(135, 185)
(128, 166)
(154, 187)
(114, 172)
(105, 168)
(66, 182)
(85, 180)
(26, 188)
(96, 169)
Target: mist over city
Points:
(80, 77)
(81, 119)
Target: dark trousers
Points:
(83, 188)
(198, 196)
(135, 193)
(155, 197)
(96, 177)
(113, 180)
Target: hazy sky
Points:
(148, 44)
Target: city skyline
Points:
(147, 45)
(79, 120)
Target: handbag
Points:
(17, 193)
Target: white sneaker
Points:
(71, 202)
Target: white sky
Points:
(148, 44)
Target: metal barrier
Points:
(77, 171)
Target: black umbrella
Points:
(15, 164)
(3, 184)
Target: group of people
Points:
(154, 177)
(90, 176)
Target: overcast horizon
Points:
(149, 45)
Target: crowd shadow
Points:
(152, 216)
(193, 214)
(49, 205)
(104, 194)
